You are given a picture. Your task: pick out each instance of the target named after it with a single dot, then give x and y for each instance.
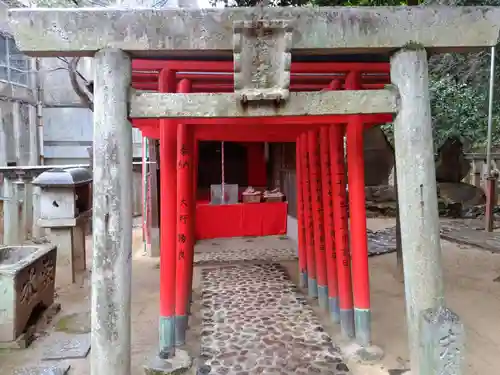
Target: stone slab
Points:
(26, 338)
(475, 237)
(255, 321)
(381, 241)
(66, 346)
(195, 32)
(180, 363)
(160, 105)
(43, 370)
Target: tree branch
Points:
(83, 93)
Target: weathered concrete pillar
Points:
(416, 184)
(11, 217)
(112, 215)
(37, 232)
(154, 228)
(3, 163)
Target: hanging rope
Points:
(223, 200)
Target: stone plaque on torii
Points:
(261, 41)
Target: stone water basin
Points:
(27, 275)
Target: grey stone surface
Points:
(381, 241)
(255, 322)
(442, 342)
(191, 33)
(58, 369)
(152, 104)
(471, 236)
(66, 346)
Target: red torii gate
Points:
(324, 252)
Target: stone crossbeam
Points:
(152, 104)
(209, 32)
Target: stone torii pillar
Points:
(417, 193)
(112, 215)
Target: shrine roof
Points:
(200, 33)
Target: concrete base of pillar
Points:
(167, 335)
(312, 288)
(363, 319)
(181, 325)
(362, 354)
(334, 309)
(347, 323)
(70, 242)
(180, 363)
(323, 297)
(303, 280)
(153, 249)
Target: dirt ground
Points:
(470, 291)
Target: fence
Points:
(478, 167)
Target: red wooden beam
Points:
(152, 77)
(271, 121)
(228, 87)
(227, 66)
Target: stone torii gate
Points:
(275, 35)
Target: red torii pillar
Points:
(329, 229)
(301, 227)
(185, 228)
(168, 209)
(193, 215)
(317, 203)
(312, 284)
(341, 230)
(359, 245)
(357, 211)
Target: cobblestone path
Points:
(223, 256)
(256, 322)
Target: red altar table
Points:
(240, 220)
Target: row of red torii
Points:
(325, 246)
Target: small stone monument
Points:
(442, 342)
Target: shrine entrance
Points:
(261, 46)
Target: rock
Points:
(379, 157)
(451, 165)
(388, 208)
(460, 192)
(382, 193)
(449, 209)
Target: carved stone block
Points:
(262, 59)
(27, 275)
(442, 342)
